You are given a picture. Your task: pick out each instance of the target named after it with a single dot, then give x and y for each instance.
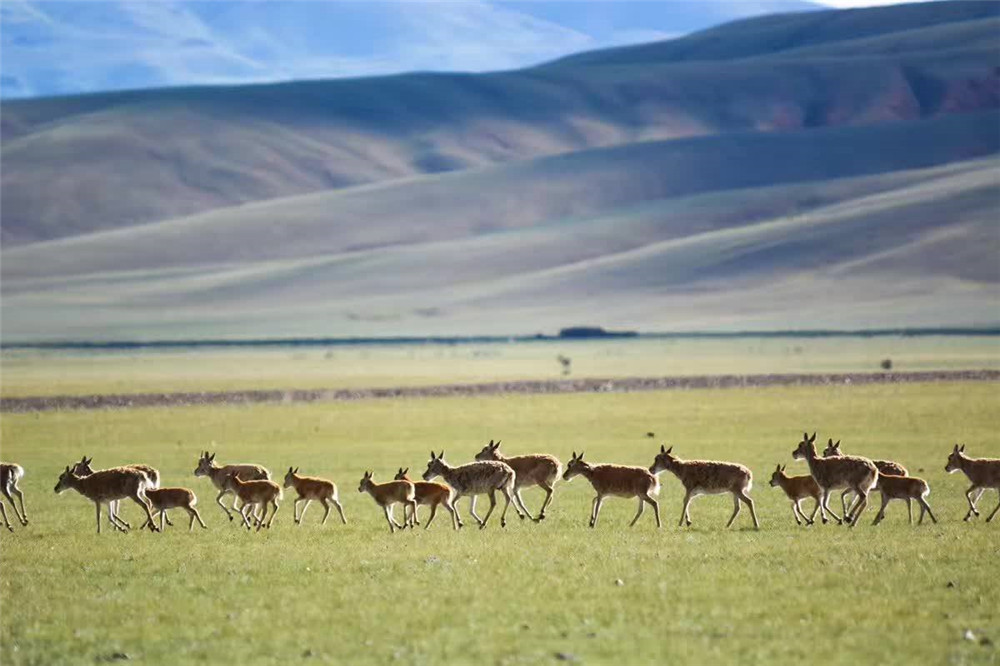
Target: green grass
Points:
(24, 373)
(356, 594)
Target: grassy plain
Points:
(356, 594)
(24, 373)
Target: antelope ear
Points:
(837, 445)
(406, 470)
(289, 469)
(783, 467)
(433, 457)
(777, 468)
(963, 448)
(581, 456)
(663, 449)
(490, 444)
(441, 455)
(212, 457)
(670, 449)
(497, 445)
(813, 438)
(67, 469)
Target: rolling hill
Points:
(80, 164)
(816, 170)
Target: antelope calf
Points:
(219, 475)
(431, 494)
(475, 478)
(855, 472)
(617, 481)
(83, 468)
(983, 472)
(708, 477)
(387, 495)
(311, 488)
(258, 492)
(10, 474)
(108, 485)
(536, 469)
(798, 488)
(904, 488)
(162, 499)
(883, 467)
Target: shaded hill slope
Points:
(510, 198)
(913, 248)
(79, 164)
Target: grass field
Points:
(356, 594)
(24, 373)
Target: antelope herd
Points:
(256, 496)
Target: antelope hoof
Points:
(230, 516)
(10, 529)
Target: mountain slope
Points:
(80, 164)
(912, 248)
(472, 203)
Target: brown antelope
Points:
(311, 488)
(883, 467)
(798, 488)
(617, 481)
(10, 474)
(855, 472)
(258, 492)
(218, 475)
(387, 495)
(536, 469)
(708, 477)
(431, 494)
(904, 488)
(983, 472)
(162, 499)
(475, 478)
(108, 485)
(83, 468)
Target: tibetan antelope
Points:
(254, 493)
(906, 488)
(983, 472)
(218, 475)
(83, 468)
(387, 495)
(855, 472)
(432, 494)
(883, 466)
(798, 488)
(708, 477)
(475, 478)
(311, 488)
(536, 469)
(108, 485)
(617, 481)
(10, 474)
(162, 499)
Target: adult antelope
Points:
(10, 474)
(219, 475)
(855, 472)
(708, 477)
(106, 486)
(883, 466)
(536, 469)
(983, 472)
(311, 488)
(475, 478)
(430, 494)
(83, 468)
(387, 495)
(616, 481)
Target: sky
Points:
(63, 47)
